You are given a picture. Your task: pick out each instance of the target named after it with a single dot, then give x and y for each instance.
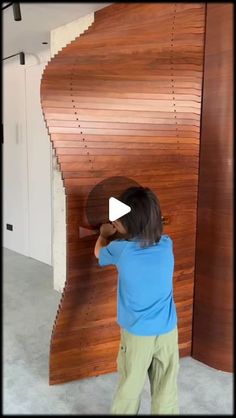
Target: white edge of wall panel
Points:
(39, 187)
(60, 37)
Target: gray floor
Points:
(29, 308)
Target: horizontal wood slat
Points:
(123, 99)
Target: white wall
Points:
(26, 161)
(15, 172)
(60, 37)
(33, 192)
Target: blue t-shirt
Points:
(145, 304)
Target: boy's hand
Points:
(107, 229)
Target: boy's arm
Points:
(101, 242)
(106, 230)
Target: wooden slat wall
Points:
(124, 99)
(213, 301)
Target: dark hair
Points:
(144, 221)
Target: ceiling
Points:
(38, 19)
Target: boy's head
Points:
(144, 222)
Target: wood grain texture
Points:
(124, 99)
(213, 305)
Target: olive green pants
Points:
(159, 357)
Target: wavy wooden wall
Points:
(213, 301)
(124, 99)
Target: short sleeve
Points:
(110, 254)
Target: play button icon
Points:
(104, 204)
(117, 209)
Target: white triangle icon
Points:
(117, 209)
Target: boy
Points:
(146, 310)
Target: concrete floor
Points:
(29, 308)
